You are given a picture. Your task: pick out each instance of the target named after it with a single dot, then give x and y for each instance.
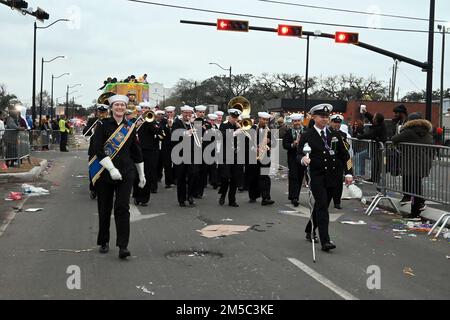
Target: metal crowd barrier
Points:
(44, 138)
(15, 145)
(367, 159)
(421, 171)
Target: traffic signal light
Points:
(17, 4)
(232, 25)
(346, 37)
(41, 14)
(290, 31)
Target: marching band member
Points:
(218, 121)
(335, 126)
(325, 170)
(147, 135)
(211, 169)
(201, 177)
(185, 171)
(117, 151)
(88, 131)
(259, 180)
(166, 147)
(296, 171)
(230, 172)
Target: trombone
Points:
(148, 116)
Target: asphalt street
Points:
(171, 260)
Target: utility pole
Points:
(429, 94)
(394, 79)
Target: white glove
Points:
(140, 169)
(237, 132)
(108, 165)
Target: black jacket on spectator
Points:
(420, 160)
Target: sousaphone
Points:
(240, 103)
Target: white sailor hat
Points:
(187, 108)
(234, 112)
(336, 117)
(212, 116)
(169, 109)
(296, 117)
(160, 112)
(118, 97)
(219, 113)
(264, 115)
(324, 108)
(200, 108)
(102, 107)
(144, 104)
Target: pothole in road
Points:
(183, 254)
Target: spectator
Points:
(142, 79)
(282, 127)
(360, 152)
(44, 128)
(400, 117)
(378, 133)
(416, 167)
(2, 131)
(11, 137)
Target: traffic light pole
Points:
(425, 66)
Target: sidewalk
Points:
(433, 211)
(26, 173)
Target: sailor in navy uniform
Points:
(296, 171)
(230, 170)
(116, 181)
(325, 169)
(259, 180)
(335, 126)
(186, 170)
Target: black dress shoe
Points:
(144, 204)
(124, 253)
(328, 246)
(252, 200)
(308, 238)
(136, 203)
(222, 201)
(295, 203)
(191, 201)
(182, 204)
(168, 187)
(234, 204)
(267, 202)
(338, 206)
(104, 248)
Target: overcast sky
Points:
(119, 38)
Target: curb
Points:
(31, 175)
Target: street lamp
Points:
(42, 81)
(73, 102)
(230, 91)
(53, 78)
(33, 106)
(444, 29)
(67, 96)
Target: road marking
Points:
(321, 279)
(10, 217)
(136, 215)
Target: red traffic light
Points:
(232, 25)
(346, 37)
(290, 31)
